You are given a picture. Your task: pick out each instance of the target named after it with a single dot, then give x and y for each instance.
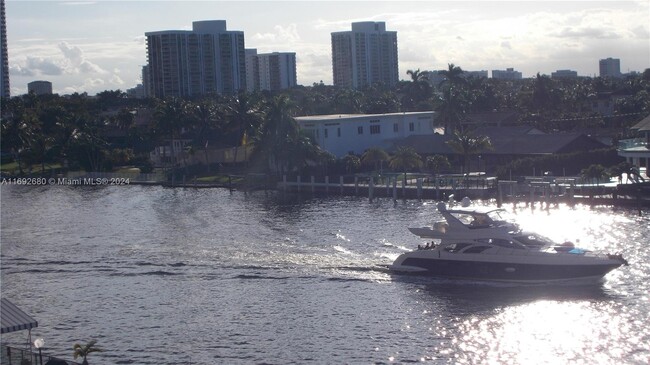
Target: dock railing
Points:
(16, 356)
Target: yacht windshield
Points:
(533, 240)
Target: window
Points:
(476, 249)
(375, 129)
(395, 127)
(360, 130)
(411, 127)
(338, 132)
(325, 132)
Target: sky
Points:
(91, 46)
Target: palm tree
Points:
(375, 156)
(451, 111)
(467, 144)
(347, 101)
(206, 113)
(416, 91)
(171, 115)
(351, 163)
(84, 351)
(278, 129)
(594, 172)
(436, 163)
(453, 75)
(405, 158)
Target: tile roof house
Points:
(637, 150)
(508, 143)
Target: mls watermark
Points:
(80, 181)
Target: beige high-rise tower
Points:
(365, 56)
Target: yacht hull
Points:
(504, 272)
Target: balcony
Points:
(637, 144)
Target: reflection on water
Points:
(204, 276)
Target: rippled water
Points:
(162, 276)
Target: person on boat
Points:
(479, 221)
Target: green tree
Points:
(375, 156)
(417, 92)
(466, 144)
(453, 76)
(405, 158)
(594, 172)
(437, 163)
(351, 163)
(278, 130)
(207, 114)
(85, 350)
(170, 117)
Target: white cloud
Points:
(77, 62)
(116, 80)
(34, 66)
(285, 35)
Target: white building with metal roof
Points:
(343, 134)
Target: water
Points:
(180, 276)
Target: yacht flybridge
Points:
(478, 244)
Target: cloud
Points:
(77, 62)
(587, 32)
(116, 80)
(285, 35)
(34, 66)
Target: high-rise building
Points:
(4, 56)
(564, 74)
(270, 71)
(365, 56)
(39, 88)
(252, 70)
(507, 74)
(206, 60)
(610, 67)
(146, 82)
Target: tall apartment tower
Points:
(252, 70)
(270, 71)
(610, 67)
(365, 56)
(4, 56)
(206, 60)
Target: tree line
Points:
(75, 131)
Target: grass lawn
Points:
(12, 168)
(219, 179)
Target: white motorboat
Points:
(478, 244)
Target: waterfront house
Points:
(636, 150)
(508, 144)
(342, 134)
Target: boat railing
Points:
(17, 356)
(522, 252)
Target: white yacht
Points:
(478, 244)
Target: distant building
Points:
(354, 133)
(436, 78)
(146, 82)
(508, 74)
(365, 56)
(206, 60)
(610, 67)
(637, 150)
(39, 88)
(564, 74)
(252, 69)
(136, 92)
(4, 56)
(270, 71)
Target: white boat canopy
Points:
(14, 319)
